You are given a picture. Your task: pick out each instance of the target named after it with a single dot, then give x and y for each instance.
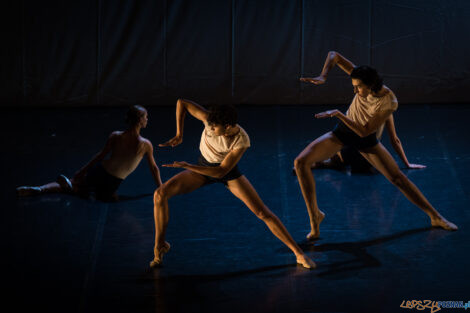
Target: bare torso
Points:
(126, 153)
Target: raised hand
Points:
(313, 80)
(176, 164)
(173, 142)
(326, 114)
(416, 166)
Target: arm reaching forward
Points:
(361, 130)
(229, 162)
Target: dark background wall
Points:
(110, 52)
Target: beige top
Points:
(362, 109)
(214, 148)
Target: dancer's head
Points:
(136, 116)
(365, 80)
(222, 118)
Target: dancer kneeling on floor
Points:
(223, 143)
(102, 176)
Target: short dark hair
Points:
(134, 114)
(222, 115)
(368, 76)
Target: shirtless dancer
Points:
(370, 108)
(102, 175)
(222, 145)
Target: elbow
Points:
(220, 175)
(221, 172)
(332, 55)
(182, 103)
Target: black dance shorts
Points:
(354, 159)
(101, 183)
(349, 138)
(233, 174)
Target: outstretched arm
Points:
(97, 157)
(361, 130)
(153, 166)
(183, 106)
(333, 58)
(396, 144)
(229, 162)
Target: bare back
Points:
(127, 151)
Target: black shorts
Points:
(101, 183)
(349, 138)
(233, 174)
(354, 159)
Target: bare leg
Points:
(335, 162)
(52, 187)
(381, 159)
(243, 190)
(320, 149)
(62, 185)
(181, 183)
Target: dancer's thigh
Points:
(322, 148)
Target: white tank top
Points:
(214, 148)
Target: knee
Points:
(263, 213)
(399, 179)
(160, 194)
(300, 162)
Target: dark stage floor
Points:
(66, 254)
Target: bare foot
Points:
(315, 233)
(443, 223)
(158, 258)
(25, 191)
(305, 261)
(64, 183)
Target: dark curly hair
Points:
(222, 115)
(134, 114)
(368, 76)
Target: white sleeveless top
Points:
(214, 148)
(362, 109)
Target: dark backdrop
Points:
(110, 52)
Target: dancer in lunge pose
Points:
(370, 108)
(223, 143)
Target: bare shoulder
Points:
(116, 134)
(146, 143)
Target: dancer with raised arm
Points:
(103, 174)
(223, 143)
(372, 105)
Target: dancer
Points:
(349, 156)
(223, 143)
(102, 176)
(370, 108)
